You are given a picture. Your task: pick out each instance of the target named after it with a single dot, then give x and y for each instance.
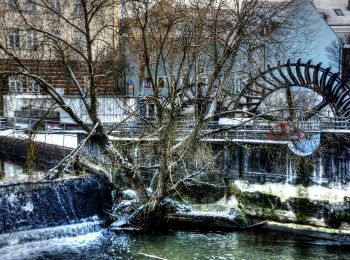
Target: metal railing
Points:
(246, 130)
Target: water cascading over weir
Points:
(31, 203)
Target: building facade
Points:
(337, 15)
(56, 40)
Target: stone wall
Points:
(269, 182)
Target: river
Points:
(88, 240)
(60, 243)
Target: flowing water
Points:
(88, 240)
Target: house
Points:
(295, 32)
(48, 37)
(337, 16)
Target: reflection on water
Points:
(104, 244)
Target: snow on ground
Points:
(68, 140)
(285, 191)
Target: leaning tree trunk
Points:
(130, 174)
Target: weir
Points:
(268, 181)
(29, 202)
(52, 203)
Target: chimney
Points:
(348, 7)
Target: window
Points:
(151, 110)
(338, 12)
(14, 38)
(32, 40)
(78, 8)
(33, 86)
(13, 5)
(147, 110)
(79, 39)
(31, 5)
(55, 5)
(161, 81)
(15, 83)
(147, 82)
(142, 109)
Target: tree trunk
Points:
(131, 174)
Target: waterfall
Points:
(30, 244)
(27, 206)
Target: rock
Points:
(201, 193)
(122, 222)
(210, 221)
(347, 199)
(175, 206)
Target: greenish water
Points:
(87, 240)
(104, 244)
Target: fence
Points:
(244, 130)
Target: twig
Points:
(152, 256)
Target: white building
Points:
(337, 14)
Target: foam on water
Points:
(92, 224)
(38, 249)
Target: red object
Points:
(281, 131)
(296, 135)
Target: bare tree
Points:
(333, 52)
(187, 53)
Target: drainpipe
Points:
(348, 7)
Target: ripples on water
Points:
(88, 241)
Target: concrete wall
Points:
(271, 183)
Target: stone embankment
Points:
(310, 210)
